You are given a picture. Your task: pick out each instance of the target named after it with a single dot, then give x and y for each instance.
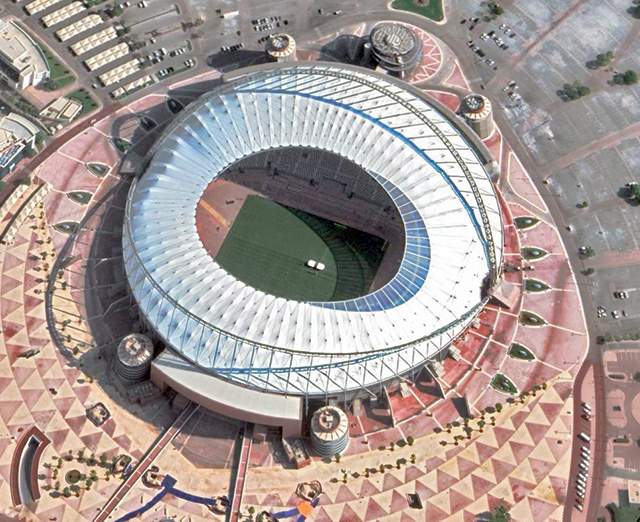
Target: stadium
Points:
(306, 234)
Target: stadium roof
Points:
(446, 200)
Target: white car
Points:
(484, 36)
(615, 314)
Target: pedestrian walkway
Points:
(154, 451)
(237, 488)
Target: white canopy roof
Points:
(448, 205)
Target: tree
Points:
(500, 514)
(571, 92)
(495, 9)
(630, 77)
(604, 59)
(410, 440)
(583, 91)
(498, 407)
(627, 78)
(30, 152)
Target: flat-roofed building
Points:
(93, 40)
(21, 60)
(62, 14)
(82, 25)
(62, 109)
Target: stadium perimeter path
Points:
(241, 474)
(152, 453)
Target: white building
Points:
(21, 60)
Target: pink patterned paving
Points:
(505, 329)
(521, 184)
(91, 145)
(431, 56)
(456, 78)
(494, 144)
(544, 236)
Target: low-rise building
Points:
(62, 109)
(21, 60)
(17, 134)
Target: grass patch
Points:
(99, 170)
(428, 8)
(88, 103)
(503, 384)
(525, 222)
(624, 514)
(121, 144)
(80, 196)
(517, 351)
(531, 253)
(56, 67)
(174, 105)
(533, 285)
(259, 251)
(64, 81)
(531, 319)
(73, 476)
(67, 227)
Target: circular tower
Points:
(329, 431)
(396, 48)
(281, 48)
(477, 113)
(133, 358)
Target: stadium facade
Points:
(262, 358)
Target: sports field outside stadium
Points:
(268, 247)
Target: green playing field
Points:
(268, 248)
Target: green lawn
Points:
(88, 103)
(268, 247)
(624, 514)
(56, 68)
(431, 8)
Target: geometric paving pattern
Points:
(522, 462)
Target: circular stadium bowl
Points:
(421, 159)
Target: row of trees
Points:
(576, 90)
(626, 78)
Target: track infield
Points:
(268, 247)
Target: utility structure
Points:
(395, 48)
(133, 357)
(476, 111)
(281, 48)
